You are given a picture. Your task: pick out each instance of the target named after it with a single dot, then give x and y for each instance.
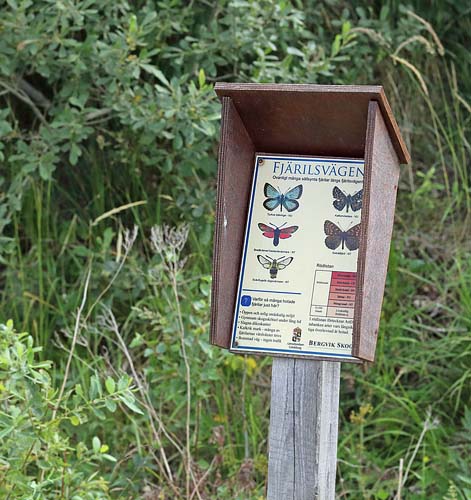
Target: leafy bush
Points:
(39, 454)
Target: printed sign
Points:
(297, 280)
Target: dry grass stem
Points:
(429, 28)
(417, 38)
(116, 210)
(129, 239)
(414, 70)
(74, 341)
(168, 242)
(399, 485)
(109, 321)
(429, 424)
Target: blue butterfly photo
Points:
(275, 198)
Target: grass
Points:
(405, 420)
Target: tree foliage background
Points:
(109, 129)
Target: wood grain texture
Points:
(377, 218)
(235, 171)
(303, 429)
(310, 119)
(328, 120)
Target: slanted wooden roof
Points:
(327, 120)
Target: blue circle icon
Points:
(246, 300)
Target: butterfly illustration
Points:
(274, 265)
(342, 200)
(287, 200)
(337, 237)
(276, 232)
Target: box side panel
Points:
(235, 169)
(379, 199)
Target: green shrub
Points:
(40, 456)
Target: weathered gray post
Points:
(303, 429)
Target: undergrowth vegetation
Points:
(109, 130)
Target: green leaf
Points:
(5, 128)
(130, 402)
(75, 153)
(98, 413)
(82, 251)
(74, 420)
(294, 51)
(110, 385)
(110, 405)
(336, 45)
(148, 68)
(346, 27)
(137, 341)
(96, 443)
(123, 383)
(201, 78)
(6, 431)
(383, 495)
(133, 28)
(95, 387)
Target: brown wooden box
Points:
(323, 120)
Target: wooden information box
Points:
(307, 182)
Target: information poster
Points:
(297, 280)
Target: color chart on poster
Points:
(297, 281)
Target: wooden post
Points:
(303, 429)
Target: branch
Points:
(24, 97)
(36, 95)
(74, 342)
